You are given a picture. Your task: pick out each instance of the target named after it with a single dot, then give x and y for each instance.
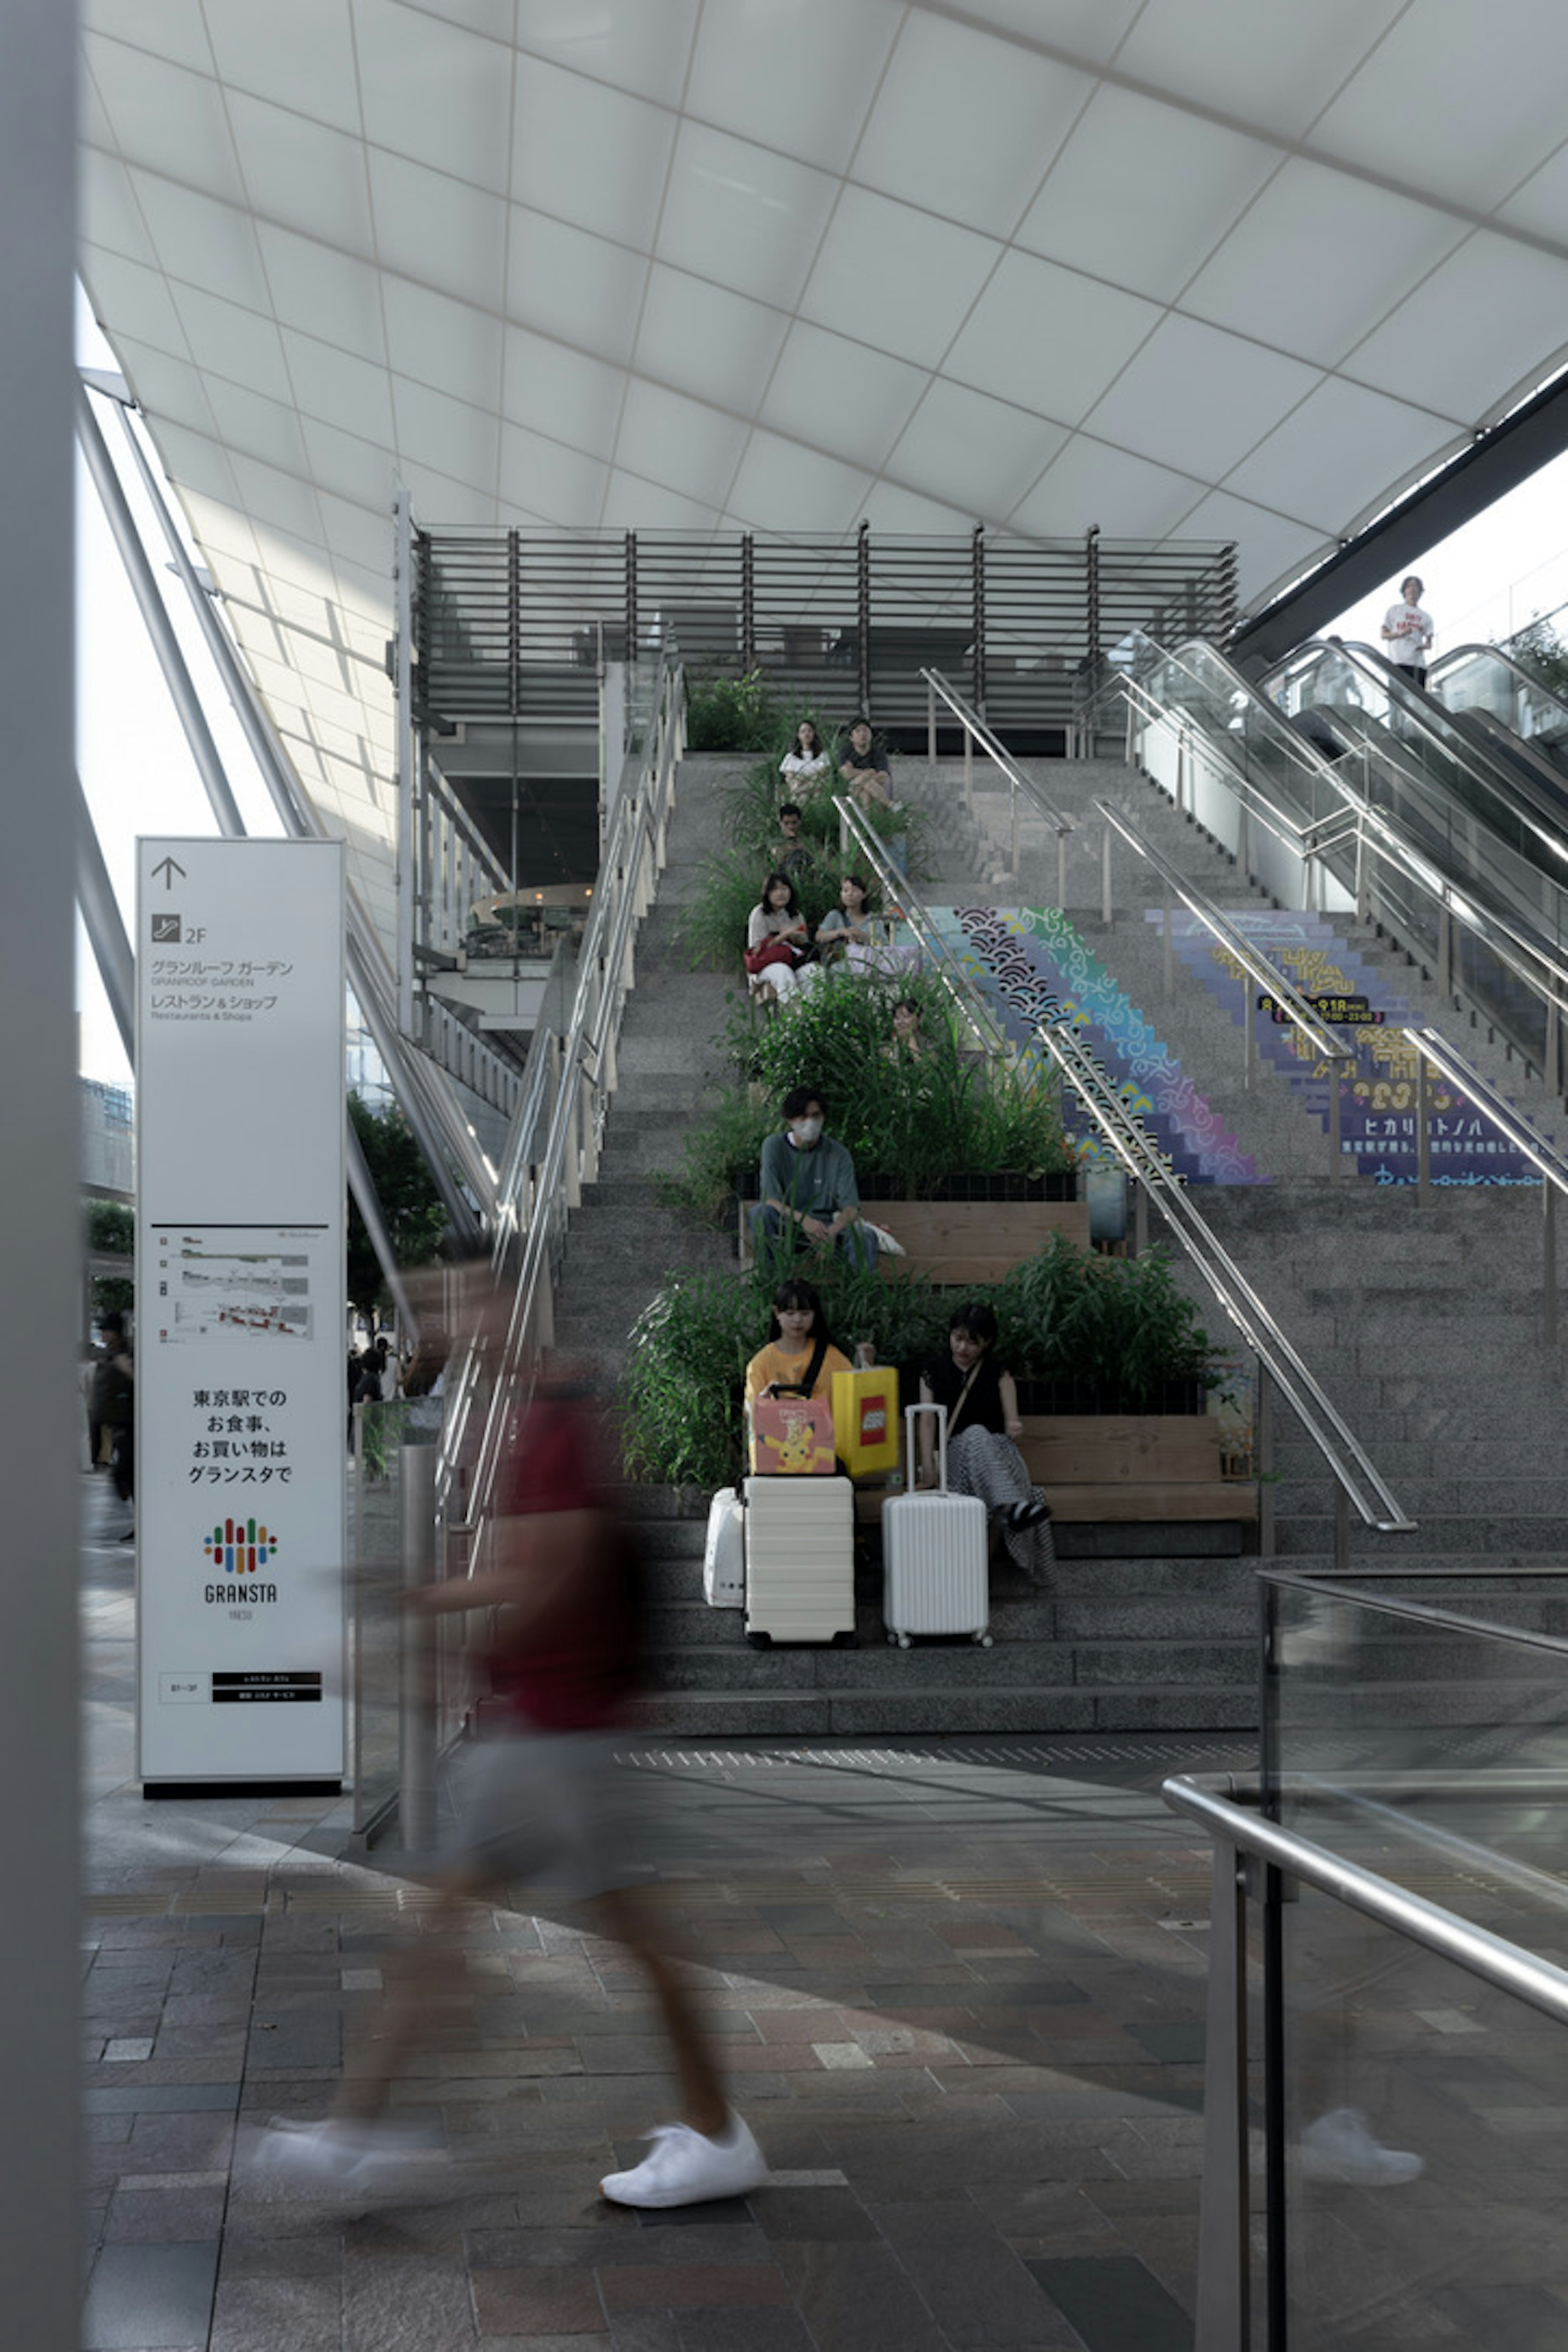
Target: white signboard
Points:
(240, 1401)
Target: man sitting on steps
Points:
(808, 1189)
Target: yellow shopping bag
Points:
(866, 1419)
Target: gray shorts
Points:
(550, 1810)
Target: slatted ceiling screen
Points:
(507, 622)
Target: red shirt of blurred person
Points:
(576, 1667)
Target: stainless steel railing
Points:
(976, 733)
(899, 890)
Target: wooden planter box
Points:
(960, 1242)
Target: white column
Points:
(40, 2291)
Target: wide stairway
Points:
(1421, 1322)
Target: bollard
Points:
(416, 1718)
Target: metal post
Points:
(1552, 1054)
(1061, 869)
(1105, 879)
(406, 779)
(1263, 1456)
(863, 611)
(1548, 1262)
(1342, 1530)
(1363, 879)
(1444, 953)
(1248, 1036)
(969, 772)
(747, 602)
(105, 927)
(1423, 1127)
(41, 1959)
(1128, 746)
(931, 724)
(1013, 787)
(977, 622)
(1336, 1124)
(1181, 766)
(160, 628)
(1224, 2314)
(1170, 944)
(416, 1721)
(1139, 1220)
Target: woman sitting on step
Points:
(982, 1430)
(778, 941)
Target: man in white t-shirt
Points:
(1408, 632)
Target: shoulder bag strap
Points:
(955, 1415)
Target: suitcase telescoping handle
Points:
(940, 1412)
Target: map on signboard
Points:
(209, 1288)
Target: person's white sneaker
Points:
(1340, 2147)
(336, 2156)
(682, 2168)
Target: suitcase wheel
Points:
(983, 1639)
(761, 1641)
(897, 1641)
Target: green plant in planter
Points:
(730, 714)
(730, 1138)
(1117, 1325)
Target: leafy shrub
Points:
(1119, 1324)
(730, 714)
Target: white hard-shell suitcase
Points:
(800, 1559)
(724, 1552)
(934, 1574)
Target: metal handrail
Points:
(1511, 1124)
(1525, 679)
(900, 891)
(1358, 1483)
(1259, 967)
(975, 730)
(1225, 2242)
(1488, 1957)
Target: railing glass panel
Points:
(1483, 679)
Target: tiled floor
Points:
(960, 1989)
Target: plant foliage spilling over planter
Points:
(908, 1122)
(1116, 1333)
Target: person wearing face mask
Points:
(809, 1195)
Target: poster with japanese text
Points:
(240, 1452)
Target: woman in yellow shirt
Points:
(797, 1325)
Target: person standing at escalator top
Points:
(1408, 632)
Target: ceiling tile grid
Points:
(1188, 266)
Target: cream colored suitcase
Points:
(800, 1559)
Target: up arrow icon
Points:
(168, 869)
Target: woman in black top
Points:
(982, 1430)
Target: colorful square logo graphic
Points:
(240, 1547)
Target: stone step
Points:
(855, 1714)
(1482, 1537)
(690, 1624)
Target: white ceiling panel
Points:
(1447, 95)
(434, 90)
(281, 502)
(329, 294)
(580, 288)
(449, 435)
(561, 117)
(1091, 29)
(1342, 447)
(199, 464)
(303, 175)
(1141, 193)
(631, 504)
(546, 479)
(559, 392)
(160, 113)
(1374, 248)
(110, 216)
(366, 538)
(298, 53)
(226, 535)
(1048, 337)
(965, 124)
(1127, 496)
(231, 342)
(169, 28)
(781, 487)
(1273, 67)
(1491, 314)
(703, 338)
(339, 389)
(174, 388)
(268, 429)
(447, 343)
(846, 397)
(137, 302)
(203, 242)
(897, 279)
(665, 437)
(793, 74)
(1270, 548)
(349, 466)
(494, 17)
(1192, 396)
(639, 45)
(431, 226)
(1541, 206)
(892, 508)
(983, 454)
(740, 214)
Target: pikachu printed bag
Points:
(792, 1437)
